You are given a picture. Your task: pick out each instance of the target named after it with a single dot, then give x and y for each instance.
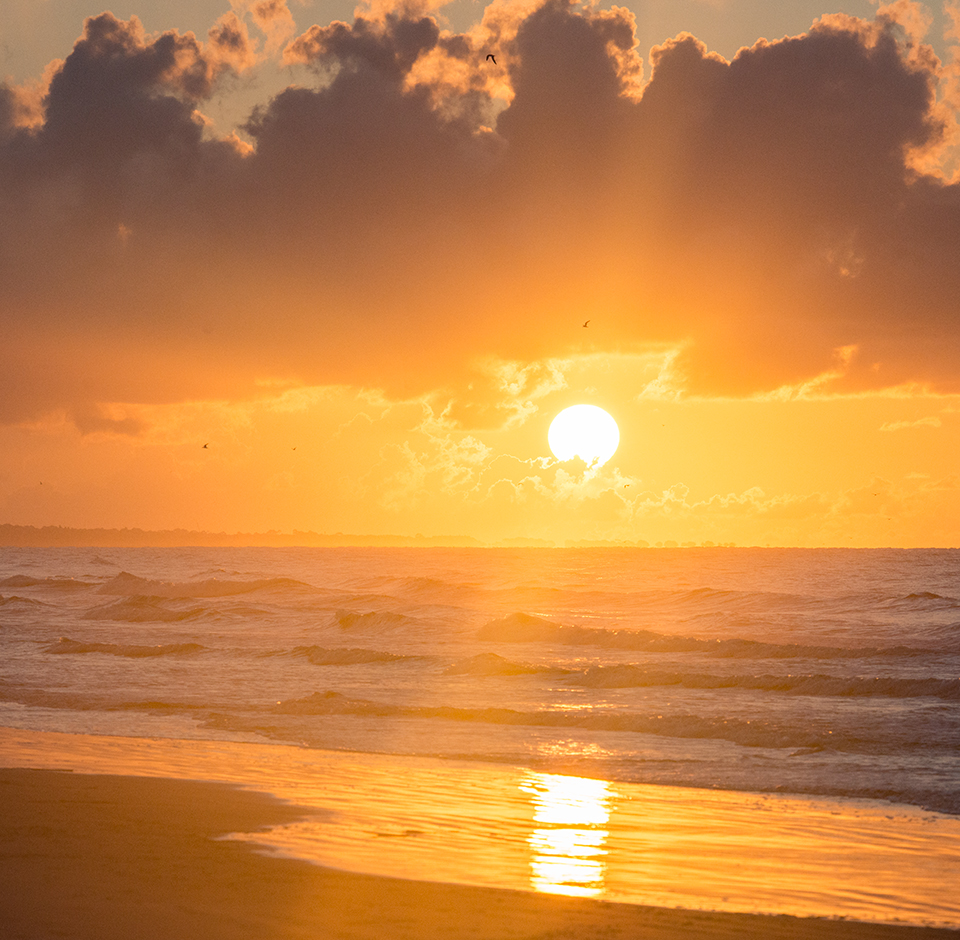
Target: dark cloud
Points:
(274, 19)
(270, 10)
(792, 193)
(389, 46)
(391, 226)
(7, 112)
(231, 40)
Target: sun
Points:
(584, 431)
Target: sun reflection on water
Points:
(568, 846)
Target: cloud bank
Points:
(408, 209)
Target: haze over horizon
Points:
(354, 258)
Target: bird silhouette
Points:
(205, 446)
(585, 324)
(490, 56)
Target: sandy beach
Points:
(94, 856)
(490, 826)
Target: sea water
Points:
(758, 674)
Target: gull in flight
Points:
(490, 56)
(585, 324)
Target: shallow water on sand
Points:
(488, 824)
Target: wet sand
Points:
(93, 856)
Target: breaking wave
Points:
(20, 580)
(129, 584)
(59, 584)
(923, 600)
(745, 732)
(623, 677)
(141, 609)
(526, 628)
(66, 645)
(490, 664)
(17, 601)
(321, 656)
(372, 620)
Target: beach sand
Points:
(95, 856)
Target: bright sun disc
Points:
(584, 431)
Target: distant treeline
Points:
(51, 536)
(54, 536)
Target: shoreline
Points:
(17, 536)
(427, 821)
(100, 856)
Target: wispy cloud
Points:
(929, 422)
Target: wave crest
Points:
(58, 584)
(627, 676)
(141, 609)
(340, 656)
(372, 620)
(18, 601)
(490, 664)
(66, 645)
(526, 628)
(126, 584)
(924, 600)
(745, 732)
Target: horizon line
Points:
(57, 536)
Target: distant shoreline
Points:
(22, 536)
(25, 536)
(55, 536)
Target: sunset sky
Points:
(353, 257)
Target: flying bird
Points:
(585, 324)
(490, 56)
(205, 446)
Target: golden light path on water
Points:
(567, 845)
(494, 825)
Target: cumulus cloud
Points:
(230, 40)
(412, 212)
(274, 19)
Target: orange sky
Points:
(354, 258)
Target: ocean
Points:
(776, 674)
